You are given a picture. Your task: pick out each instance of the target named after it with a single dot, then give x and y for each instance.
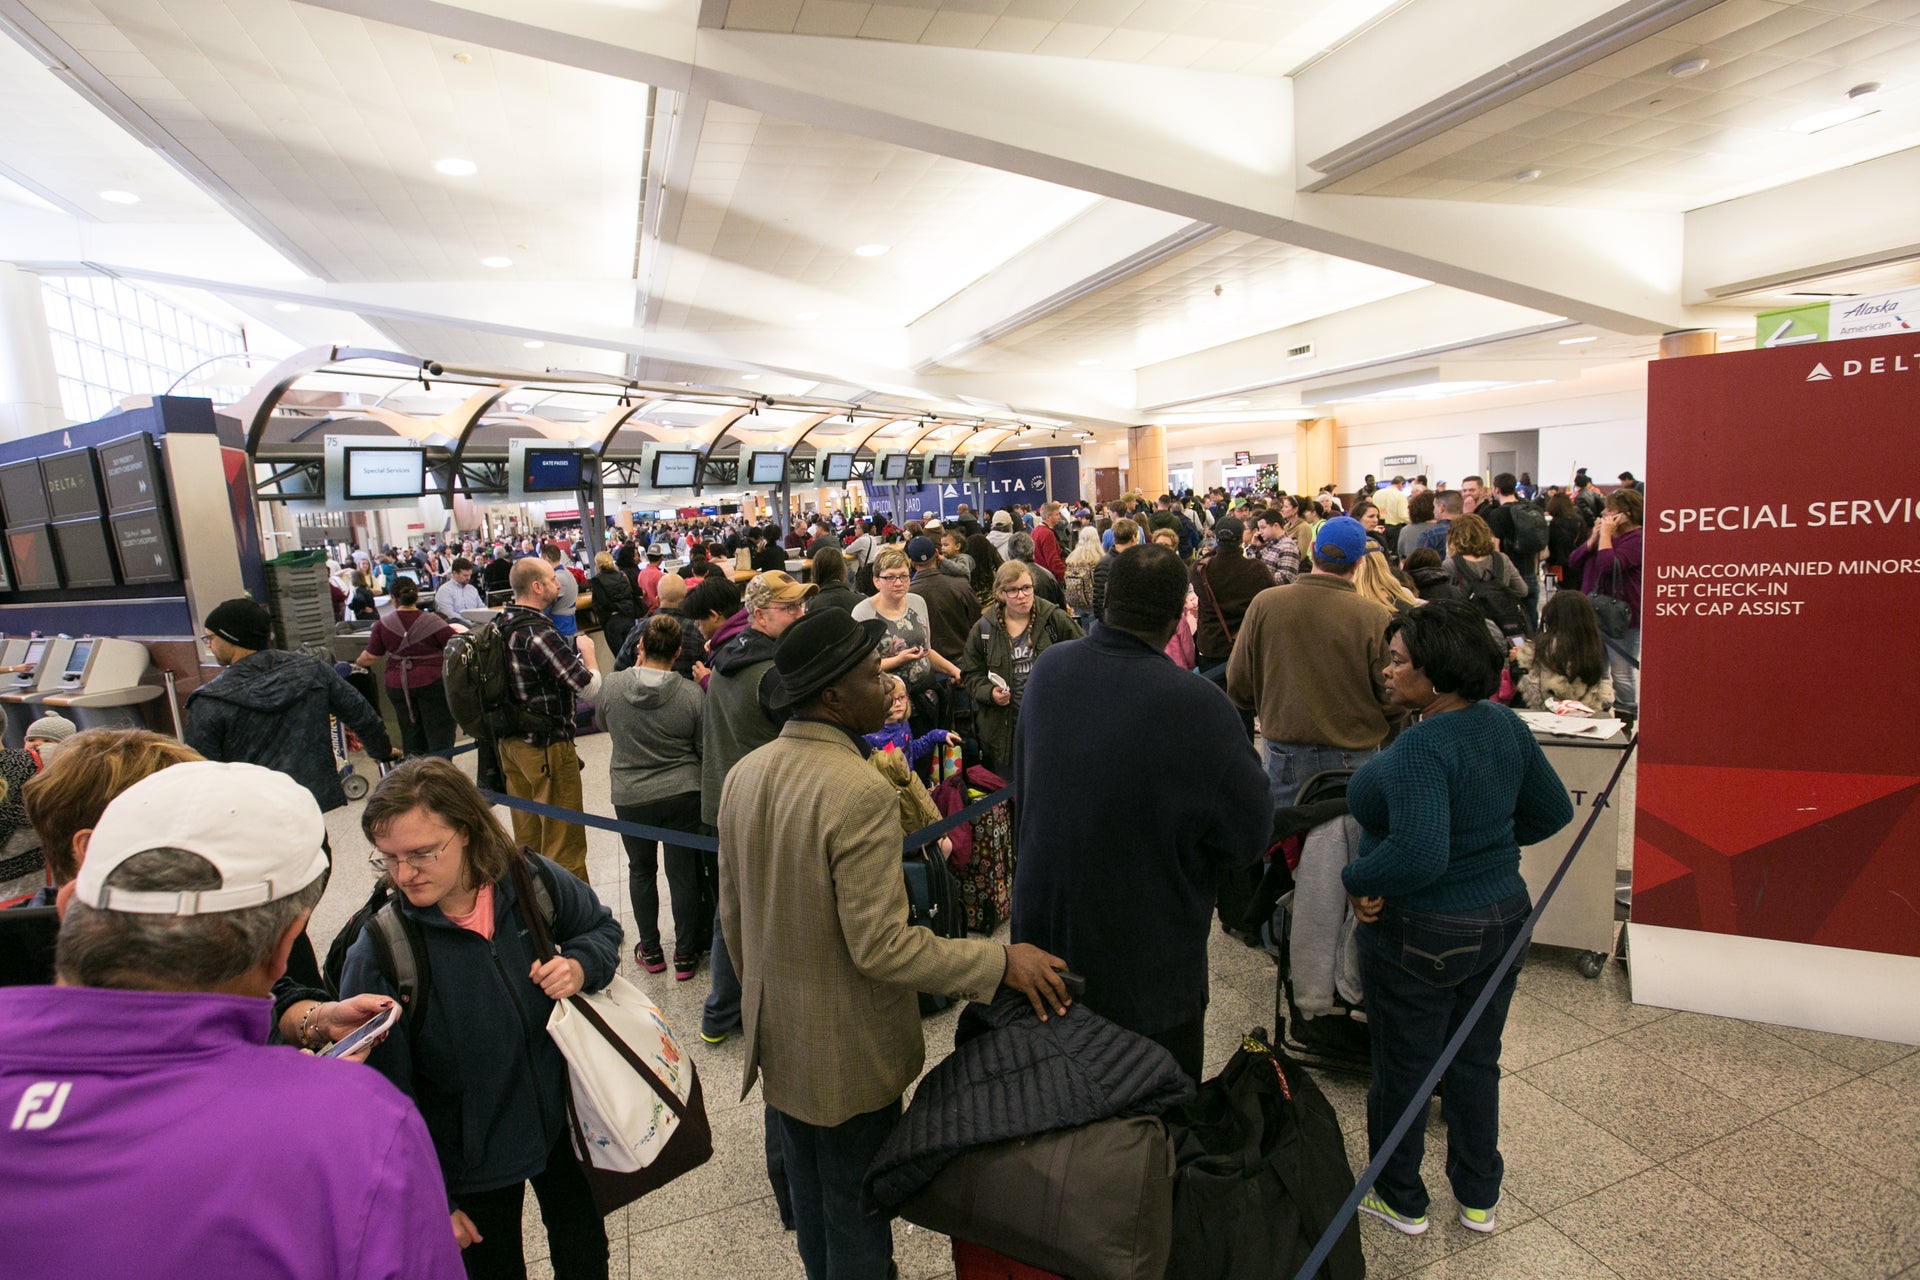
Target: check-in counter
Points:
(101, 686)
(1584, 752)
(40, 669)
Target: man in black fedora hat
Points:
(814, 911)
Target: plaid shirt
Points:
(544, 672)
(1282, 559)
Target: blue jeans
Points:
(838, 1238)
(722, 1014)
(1626, 675)
(1422, 972)
(1290, 764)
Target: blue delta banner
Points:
(1028, 478)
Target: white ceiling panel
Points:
(775, 211)
(1229, 287)
(450, 345)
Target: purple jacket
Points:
(899, 737)
(156, 1133)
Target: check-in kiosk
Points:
(13, 653)
(100, 688)
(40, 670)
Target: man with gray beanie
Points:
(1121, 889)
(144, 1083)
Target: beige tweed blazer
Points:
(814, 911)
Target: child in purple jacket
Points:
(896, 736)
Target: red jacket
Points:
(1046, 551)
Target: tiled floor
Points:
(1639, 1143)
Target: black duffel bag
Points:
(1261, 1171)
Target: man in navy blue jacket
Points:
(1117, 871)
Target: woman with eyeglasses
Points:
(1001, 649)
(907, 649)
(476, 1059)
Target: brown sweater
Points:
(1309, 662)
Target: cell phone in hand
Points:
(369, 1031)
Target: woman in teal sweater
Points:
(1443, 813)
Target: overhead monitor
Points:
(675, 469)
(891, 467)
(558, 470)
(23, 494)
(73, 488)
(143, 541)
(30, 548)
(836, 468)
(977, 466)
(384, 473)
(85, 558)
(939, 466)
(130, 472)
(766, 466)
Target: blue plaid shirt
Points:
(544, 672)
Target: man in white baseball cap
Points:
(144, 1079)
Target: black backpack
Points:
(1529, 528)
(1496, 602)
(474, 673)
(400, 951)
(933, 902)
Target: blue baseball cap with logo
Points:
(1341, 540)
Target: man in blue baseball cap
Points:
(1309, 662)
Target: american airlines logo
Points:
(1854, 368)
(41, 1104)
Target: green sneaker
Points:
(1480, 1220)
(719, 1039)
(1374, 1205)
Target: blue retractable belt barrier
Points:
(709, 844)
(1418, 1106)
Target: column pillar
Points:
(1147, 460)
(1689, 342)
(1316, 446)
(29, 388)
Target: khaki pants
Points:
(550, 775)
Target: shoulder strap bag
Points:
(1214, 600)
(634, 1106)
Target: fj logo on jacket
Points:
(52, 1094)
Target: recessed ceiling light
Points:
(286, 306)
(456, 168)
(1568, 342)
(1088, 364)
(749, 377)
(463, 58)
(1526, 175)
(119, 197)
(1688, 67)
(1820, 120)
(533, 344)
(872, 250)
(806, 315)
(496, 262)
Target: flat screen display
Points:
(35, 648)
(143, 540)
(940, 466)
(31, 550)
(764, 467)
(555, 470)
(977, 466)
(85, 558)
(23, 494)
(77, 657)
(73, 490)
(836, 468)
(675, 469)
(893, 467)
(385, 473)
(130, 473)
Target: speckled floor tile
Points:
(1653, 1108)
(1740, 1059)
(1536, 1031)
(1851, 1052)
(1864, 1226)
(727, 1244)
(1868, 1123)
(1658, 1226)
(1553, 1154)
(1606, 1003)
(1528, 1252)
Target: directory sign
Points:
(130, 472)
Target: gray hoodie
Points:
(653, 718)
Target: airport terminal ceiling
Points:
(1069, 215)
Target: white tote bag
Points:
(624, 1124)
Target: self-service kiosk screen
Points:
(23, 494)
(73, 490)
(130, 472)
(30, 548)
(77, 660)
(143, 540)
(85, 558)
(35, 648)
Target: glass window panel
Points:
(93, 365)
(149, 311)
(59, 314)
(109, 330)
(126, 299)
(176, 361)
(66, 356)
(99, 403)
(118, 375)
(73, 399)
(85, 327)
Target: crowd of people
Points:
(1247, 642)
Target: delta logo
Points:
(1857, 368)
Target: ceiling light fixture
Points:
(456, 168)
(1568, 342)
(1688, 67)
(806, 315)
(496, 262)
(286, 306)
(872, 250)
(1526, 175)
(1823, 120)
(119, 197)
(533, 344)
(1088, 364)
(749, 377)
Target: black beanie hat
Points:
(242, 622)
